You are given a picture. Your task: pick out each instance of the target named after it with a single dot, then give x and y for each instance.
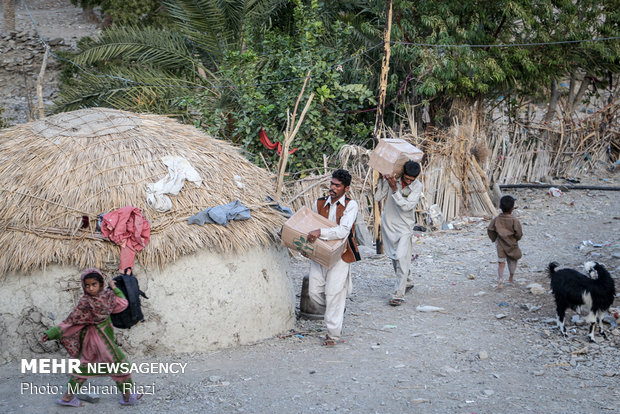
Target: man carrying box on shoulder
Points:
(397, 222)
(329, 286)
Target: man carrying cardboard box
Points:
(329, 286)
(397, 222)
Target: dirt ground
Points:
(487, 351)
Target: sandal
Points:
(72, 403)
(133, 399)
(396, 301)
(329, 341)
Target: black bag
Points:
(128, 284)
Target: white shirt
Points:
(346, 222)
(398, 216)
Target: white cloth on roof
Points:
(179, 170)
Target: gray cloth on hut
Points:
(284, 210)
(221, 214)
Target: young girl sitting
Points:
(87, 334)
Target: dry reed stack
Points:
(457, 163)
(452, 175)
(529, 153)
(58, 169)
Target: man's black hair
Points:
(507, 203)
(412, 169)
(343, 176)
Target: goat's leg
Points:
(591, 334)
(599, 320)
(561, 319)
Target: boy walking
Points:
(505, 231)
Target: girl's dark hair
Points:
(93, 276)
(507, 203)
(343, 176)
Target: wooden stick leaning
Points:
(289, 135)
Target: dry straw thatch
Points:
(88, 162)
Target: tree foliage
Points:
(233, 67)
(435, 33)
(265, 81)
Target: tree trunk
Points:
(553, 101)
(585, 83)
(571, 92)
(9, 15)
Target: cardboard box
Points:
(390, 155)
(295, 230)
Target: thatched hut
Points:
(208, 286)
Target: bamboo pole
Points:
(385, 68)
(40, 82)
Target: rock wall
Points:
(21, 56)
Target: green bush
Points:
(265, 81)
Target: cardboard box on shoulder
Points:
(297, 227)
(390, 155)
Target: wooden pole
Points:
(385, 68)
(562, 186)
(40, 84)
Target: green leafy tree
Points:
(265, 81)
(193, 71)
(133, 69)
(149, 68)
(444, 73)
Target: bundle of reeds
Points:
(452, 177)
(533, 152)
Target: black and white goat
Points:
(579, 292)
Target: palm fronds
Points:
(151, 46)
(138, 89)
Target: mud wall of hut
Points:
(203, 301)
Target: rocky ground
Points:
(486, 351)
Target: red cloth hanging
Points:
(129, 229)
(264, 139)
